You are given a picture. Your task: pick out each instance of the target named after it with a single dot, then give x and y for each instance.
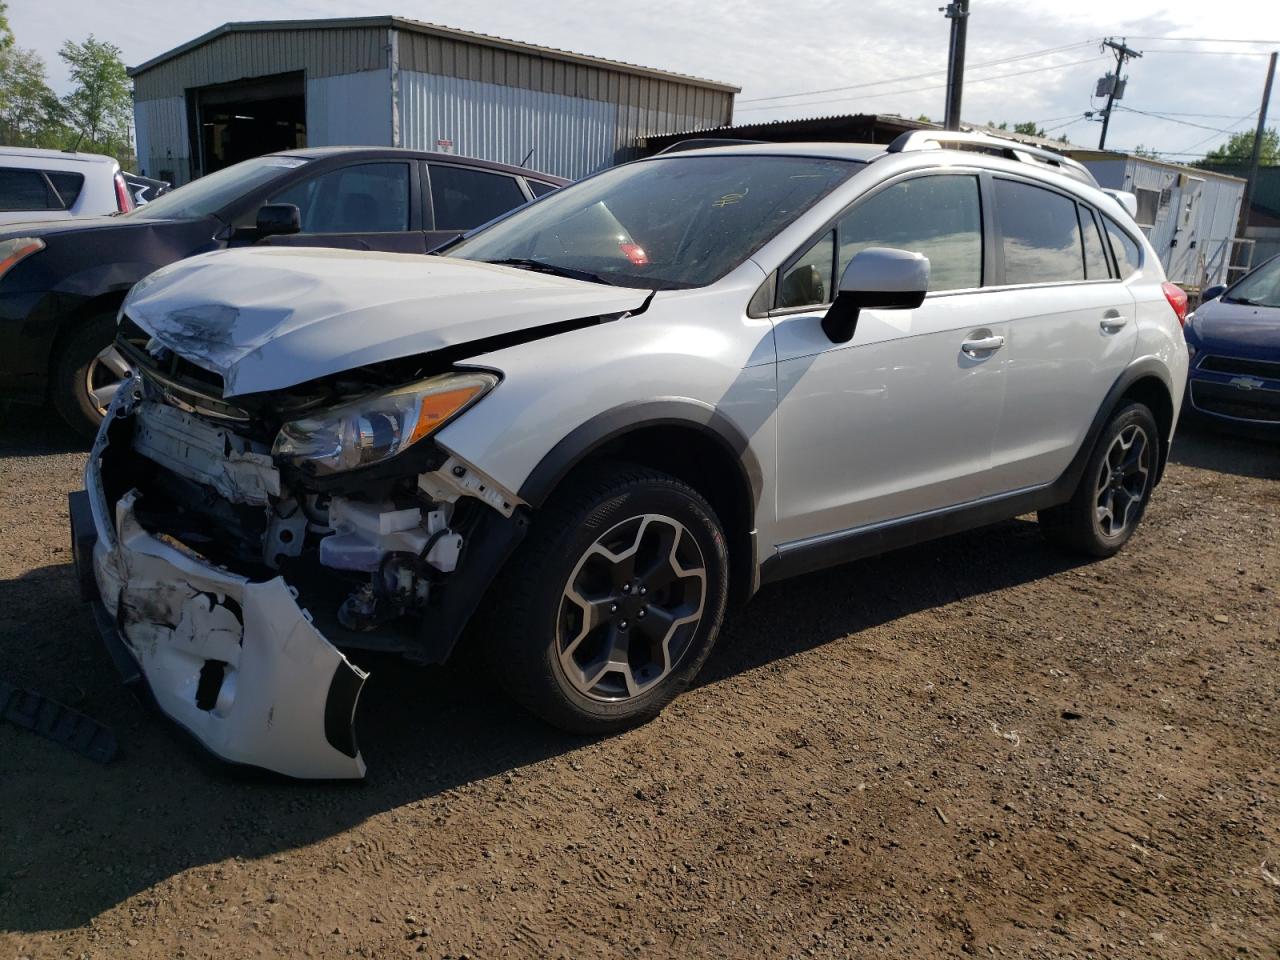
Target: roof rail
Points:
(702, 143)
(914, 140)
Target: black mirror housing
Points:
(1213, 292)
(878, 278)
(278, 218)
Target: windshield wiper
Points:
(1245, 300)
(540, 266)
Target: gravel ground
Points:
(973, 747)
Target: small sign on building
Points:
(444, 145)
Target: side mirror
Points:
(878, 278)
(278, 218)
(1212, 293)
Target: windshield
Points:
(1260, 288)
(208, 195)
(668, 223)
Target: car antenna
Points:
(525, 161)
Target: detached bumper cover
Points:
(236, 663)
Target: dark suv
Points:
(61, 283)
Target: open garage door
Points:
(236, 121)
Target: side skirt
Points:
(805, 556)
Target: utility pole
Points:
(1257, 147)
(958, 13)
(1123, 53)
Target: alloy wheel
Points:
(631, 608)
(1122, 481)
(103, 377)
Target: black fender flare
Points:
(592, 434)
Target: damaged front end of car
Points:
(237, 544)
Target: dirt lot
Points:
(971, 747)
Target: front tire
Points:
(87, 374)
(1114, 490)
(611, 606)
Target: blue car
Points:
(1234, 342)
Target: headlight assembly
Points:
(379, 426)
(12, 252)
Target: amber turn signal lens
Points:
(436, 408)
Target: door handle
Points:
(982, 345)
(1112, 322)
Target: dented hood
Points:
(268, 318)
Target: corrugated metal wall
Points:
(241, 54)
(422, 52)
(568, 136)
(354, 108)
(1195, 214)
(162, 137)
(494, 100)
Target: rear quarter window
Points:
(1127, 252)
(67, 185)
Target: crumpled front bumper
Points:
(237, 663)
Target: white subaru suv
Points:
(593, 426)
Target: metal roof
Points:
(429, 29)
(1089, 155)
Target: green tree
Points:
(1142, 151)
(6, 32)
(100, 105)
(30, 113)
(1239, 149)
(1029, 129)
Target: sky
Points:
(807, 58)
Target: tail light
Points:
(124, 202)
(634, 252)
(1177, 298)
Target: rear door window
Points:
(362, 198)
(26, 190)
(465, 198)
(539, 188)
(1125, 248)
(1040, 234)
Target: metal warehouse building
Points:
(246, 89)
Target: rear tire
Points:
(611, 606)
(87, 373)
(1112, 495)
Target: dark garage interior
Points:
(236, 121)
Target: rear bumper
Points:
(236, 663)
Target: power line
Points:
(1062, 126)
(1213, 53)
(1170, 119)
(1206, 40)
(1190, 151)
(921, 76)
(935, 86)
